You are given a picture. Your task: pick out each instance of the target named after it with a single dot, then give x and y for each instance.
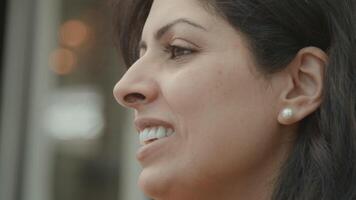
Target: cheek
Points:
(211, 89)
(225, 114)
(191, 91)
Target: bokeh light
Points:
(73, 33)
(62, 61)
(75, 113)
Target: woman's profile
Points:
(241, 99)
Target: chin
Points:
(155, 183)
(163, 184)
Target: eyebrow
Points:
(158, 35)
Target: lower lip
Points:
(149, 150)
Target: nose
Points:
(135, 89)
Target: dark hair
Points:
(322, 165)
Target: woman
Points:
(242, 99)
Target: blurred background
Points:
(62, 134)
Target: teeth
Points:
(154, 133)
(170, 132)
(143, 135)
(161, 132)
(151, 134)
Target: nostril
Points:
(134, 98)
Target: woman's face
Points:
(197, 75)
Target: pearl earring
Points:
(287, 113)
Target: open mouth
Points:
(152, 134)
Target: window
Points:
(63, 136)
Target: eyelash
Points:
(171, 49)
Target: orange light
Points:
(62, 61)
(74, 33)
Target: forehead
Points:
(165, 11)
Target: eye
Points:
(177, 52)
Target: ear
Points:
(303, 85)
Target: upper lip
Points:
(142, 123)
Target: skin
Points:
(230, 138)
